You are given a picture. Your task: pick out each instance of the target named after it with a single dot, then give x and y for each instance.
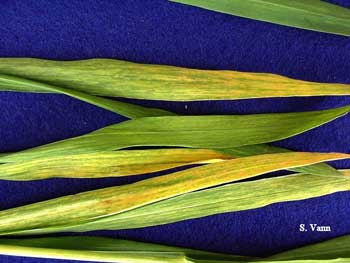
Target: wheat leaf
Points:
(209, 132)
(92, 156)
(313, 15)
(117, 78)
(99, 249)
(78, 212)
(244, 151)
(134, 162)
(107, 164)
(331, 249)
(126, 109)
(228, 198)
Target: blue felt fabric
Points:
(156, 31)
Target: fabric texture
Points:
(160, 32)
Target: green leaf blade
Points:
(310, 14)
(210, 132)
(126, 109)
(99, 249)
(326, 250)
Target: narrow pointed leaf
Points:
(99, 249)
(78, 212)
(244, 151)
(117, 78)
(211, 132)
(126, 109)
(107, 164)
(228, 198)
(133, 162)
(313, 15)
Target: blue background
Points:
(156, 31)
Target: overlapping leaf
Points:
(134, 162)
(129, 110)
(92, 155)
(107, 250)
(173, 197)
(126, 109)
(306, 14)
(100, 249)
(82, 212)
(211, 132)
(109, 164)
(117, 78)
(228, 198)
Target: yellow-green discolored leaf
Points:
(228, 198)
(107, 164)
(210, 132)
(133, 162)
(250, 150)
(117, 78)
(346, 172)
(313, 15)
(80, 212)
(131, 111)
(83, 152)
(126, 109)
